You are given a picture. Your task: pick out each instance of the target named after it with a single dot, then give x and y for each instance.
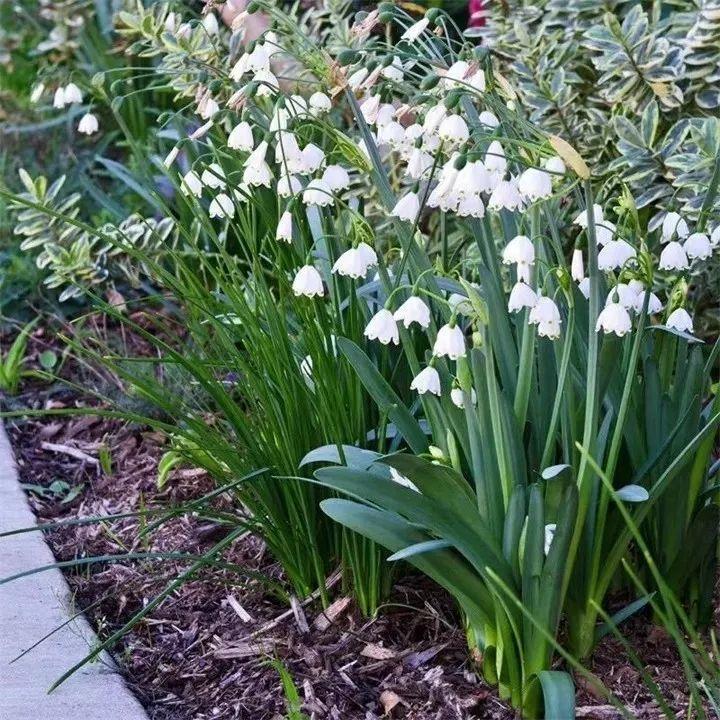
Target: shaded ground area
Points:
(204, 653)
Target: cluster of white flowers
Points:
(444, 162)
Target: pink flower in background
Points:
(476, 11)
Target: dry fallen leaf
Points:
(377, 652)
(389, 700)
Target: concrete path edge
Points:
(32, 607)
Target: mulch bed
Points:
(204, 652)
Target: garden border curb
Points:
(35, 605)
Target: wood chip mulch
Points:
(204, 652)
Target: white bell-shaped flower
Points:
(604, 232)
(267, 83)
(419, 162)
(222, 206)
(582, 218)
(370, 108)
(673, 224)
(654, 303)
(673, 257)
(241, 137)
(488, 119)
(386, 113)
(336, 177)
(680, 320)
(89, 125)
(715, 237)
(72, 95)
(257, 175)
(407, 207)
(450, 342)
(213, 176)
(494, 159)
(313, 159)
(555, 165)
(521, 296)
(284, 227)
(614, 318)
(392, 134)
(434, 116)
(625, 294)
(287, 152)
(519, 250)
(458, 398)
(308, 282)
(191, 184)
(383, 328)
(207, 107)
(351, 264)
(210, 24)
(474, 179)
(319, 193)
(288, 185)
(454, 130)
(59, 98)
(615, 254)
(427, 380)
(505, 196)
(535, 184)
(357, 78)
(457, 71)
(394, 71)
(368, 255)
(698, 247)
(546, 315)
(319, 103)
(577, 267)
(413, 310)
(470, 206)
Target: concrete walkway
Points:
(32, 607)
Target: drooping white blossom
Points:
(319, 103)
(427, 380)
(88, 124)
(383, 328)
(191, 184)
(614, 318)
(546, 315)
(407, 207)
(308, 282)
(284, 227)
(615, 254)
(680, 320)
(450, 342)
(222, 206)
(521, 296)
(336, 177)
(213, 176)
(698, 247)
(318, 192)
(535, 184)
(673, 224)
(577, 267)
(673, 257)
(241, 137)
(413, 310)
(458, 398)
